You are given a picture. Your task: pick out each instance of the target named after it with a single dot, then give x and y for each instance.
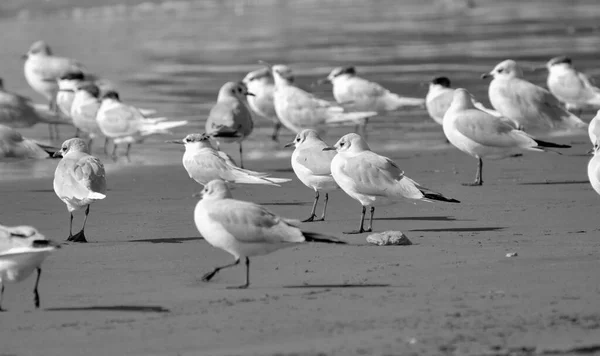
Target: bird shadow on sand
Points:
(556, 182)
(118, 308)
(461, 229)
(292, 203)
(283, 170)
(169, 240)
(41, 190)
(422, 218)
(371, 285)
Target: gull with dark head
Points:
(84, 110)
(260, 83)
(571, 86)
(372, 179)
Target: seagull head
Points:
(216, 190)
(25, 236)
(89, 88)
(72, 145)
(350, 143)
(111, 95)
(282, 74)
(39, 48)
(69, 80)
(237, 90)
(461, 100)
(442, 82)
(258, 78)
(194, 141)
(561, 62)
(303, 136)
(505, 70)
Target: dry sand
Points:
(136, 289)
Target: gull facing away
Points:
(203, 163)
(79, 181)
(312, 166)
(439, 97)
(15, 146)
(125, 123)
(245, 229)
(22, 251)
(593, 168)
(298, 109)
(84, 110)
(570, 86)
(594, 131)
(370, 178)
(230, 119)
(260, 83)
(18, 111)
(359, 94)
(42, 70)
(482, 135)
(532, 108)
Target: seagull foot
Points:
(356, 232)
(2, 310)
(207, 277)
(474, 184)
(517, 155)
(78, 237)
(243, 286)
(310, 218)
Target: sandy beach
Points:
(135, 288)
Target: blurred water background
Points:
(174, 55)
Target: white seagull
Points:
(245, 229)
(298, 110)
(482, 135)
(260, 83)
(593, 168)
(594, 131)
(84, 110)
(312, 166)
(126, 124)
(230, 119)
(439, 97)
(14, 146)
(79, 181)
(532, 108)
(67, 85)
(370, 178)
(570, 86)
(203, 163)
(22, 251)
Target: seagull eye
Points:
(500, 70)
(341, 144)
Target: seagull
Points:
(532, 108)
(594, 131)
(312, 166)
(22, 251)
(125, 124)
(360, 94)
(260, 83)
(439, 97)
(15, 146)
(18, 111)
(79, 180)
(570, 86)
(593, 168)
(369, 178)
(299, 110)
(482, 135)
(230, 119)
(43, 69)
(84, 110)
(203, 164)
(67, 85)
(245, 229)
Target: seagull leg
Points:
(276, 129)
(90, 144)
(241, 157)
(478, 178)
(114, 152)
(1, 295)
(364, 128)
(244, 286)
(80, 236)
(324, 208)
(314, 208)
(36, 295)
(371, 220)
(128, 148)
(362, 221)
(77, 132)
(106, 142)
(207, 277)
(70, 228)
(50, 132)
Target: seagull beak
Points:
(57, 154)
(319, 82)
(200, 194)
(25, 56)
(289, 144)
(486, 75)
(591, 151)
(250, 94)
(179, 142)
(266, 64)
(329, 148)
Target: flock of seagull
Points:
(521, 112)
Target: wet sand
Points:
(135, 289)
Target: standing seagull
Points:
(439, 97)
(203, 163)
(299, 110)
(67, 86)
(593, 168)
(532, 108)
(594, 131)
(126, 124)
(482, 135)
(229, 119)
(360, 94)
(312, 166)
(570, 86)
(245, 229)
(369, 178)
(79, 181)
(42, 70)
(260, 83)
(22, 251)
(84, 111)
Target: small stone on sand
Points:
(388, 238)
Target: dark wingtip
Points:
(541, 143)
(439, 197)
(316, 237)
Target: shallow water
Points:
(174, 55)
